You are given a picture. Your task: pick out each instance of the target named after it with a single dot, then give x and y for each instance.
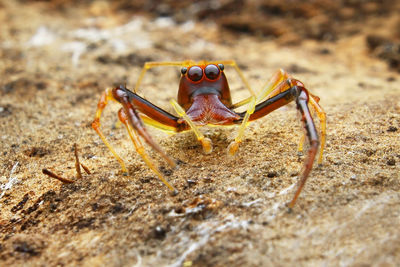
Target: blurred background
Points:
(288, 21)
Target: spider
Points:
(204, 98)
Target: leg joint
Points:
(300, 93)
(96, 123)
(120, 94)
(295, 92)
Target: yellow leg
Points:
(265, 93)
(140, 150)
(269, 87)
(205, 142)
(149, 65)
(241, 103)
(268, 91)
(301, 143)
(322, 119)
(105, 97)
(233, 64)
(234, 145)
(158, 125)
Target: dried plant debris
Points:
(78, 166)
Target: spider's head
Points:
(203, 79)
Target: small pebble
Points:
(207, 180)
(159, 232)
(272, 174)
(391, 162)
(191, 182)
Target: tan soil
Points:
(229, 212)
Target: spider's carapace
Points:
(204, 98)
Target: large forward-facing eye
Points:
(212, 72)
(195, 73)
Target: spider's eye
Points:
(183, 70)
(212, 72)
(221, 66)
(195, 73)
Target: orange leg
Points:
(154, 115)
(105, 97)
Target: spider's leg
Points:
(152, 64)
(205, 142)
(302, 105)
(269, 90)
(314, 105)
(322, 119)
(279, 76)
(234, 145)
(283, 94)
(121, 95)
(301, 143)
(303, 137)
(105, 97)
(233, 64)
(153, 115)
(140, 149)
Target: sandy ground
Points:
(230, 211)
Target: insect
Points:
(204, 98)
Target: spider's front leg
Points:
(129, 116)
(302, 101)
(282, 93)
